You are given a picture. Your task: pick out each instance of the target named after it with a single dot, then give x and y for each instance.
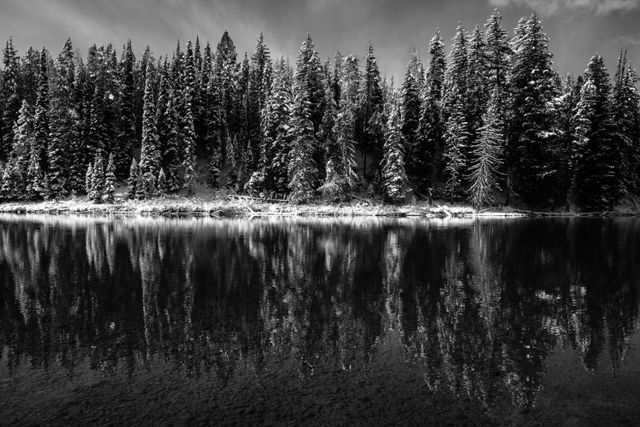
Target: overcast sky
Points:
(577, 28)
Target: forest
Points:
(488, 123)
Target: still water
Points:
(319, 321)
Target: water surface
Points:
(319, 321)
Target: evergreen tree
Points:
(98, 180)
(189, 155)
(149, 165)
(23, 142)
(425, 167)
(487, 156)
(303, 169)
(395, 181)
(477, 82)
(132, 180)
(259, 83)
(410, 103)
(497, 55)
(457, 140)
(532, 139)
(597, 182)
(110, 180)
(9, 98)
(163, 185)
(63, 121)
(88, 183)
(127, 127)
(171, 153)
(275, 129)
(626, 117)
(372, 113)
(41, 118)
(457, 72)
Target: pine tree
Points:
(487, 156)
(532, 137)
(23, 141)
(373, 117)
(626, 116)
(189, 155)
(410, 103)
(41, 118)
(303, 169)
(163, 185)
(457, 140)
(597, 181)
(171, 152)
(127, 126)
(98, 179)
(110, 180)
(457, 73)
(149, 165)
(395, 181)
(88, 183)
(63, 121)
(477, 82)
(132, 180)
(275, 129)
(9, 99)
(259, 84)
(425, 167)
(497, 55)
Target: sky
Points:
(577, 28)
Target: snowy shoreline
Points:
(244, 207)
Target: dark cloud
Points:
(577, 28)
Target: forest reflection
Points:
(478, 306)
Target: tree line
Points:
(490, 122)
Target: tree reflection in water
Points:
(478, 305)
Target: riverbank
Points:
(241, 206)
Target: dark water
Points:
(319, 321)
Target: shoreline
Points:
(241, 206)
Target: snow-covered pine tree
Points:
(334, 186)
(63, 118)
(172, 153)
(497, 55)
(163, 185)
(487, 155)
(224, 83)
(276, 131)
(347, 122)
(259, 84)
(41, 117)
(88, 182)
(373, 118)
(127, 125)
(23, 141)
(532, 136)
(395, 183)
(110, 180)
(597, 183)
(626, 116)
(98, 179)
(149, 164)
(426, 161)
(189, 149)
(410, 114)
(10, 97)
(457, 139)
(304, 122)
(132, 179)
(456, 78)
(478, 92)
